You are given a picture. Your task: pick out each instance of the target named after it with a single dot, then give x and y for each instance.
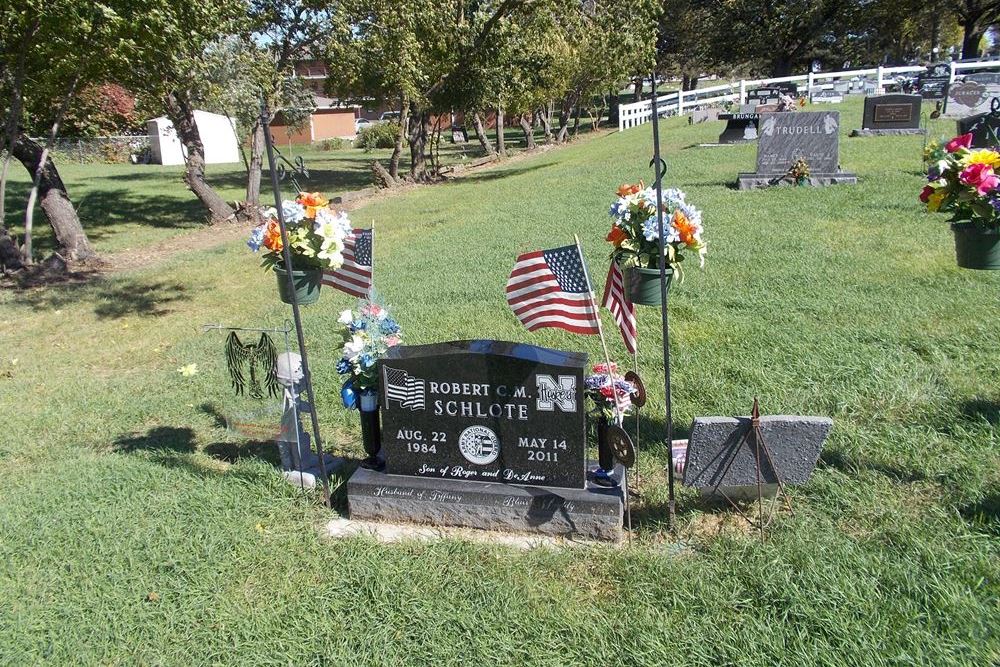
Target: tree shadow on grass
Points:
(113, 299)
(984, 516)
(978, 409)
(160, 439)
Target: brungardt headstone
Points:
(890, 114)
(485, 434)
(786, 138)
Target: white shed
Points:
(217, 135)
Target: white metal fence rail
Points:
(637, 113)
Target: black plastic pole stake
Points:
(659, 166)
(286, 256)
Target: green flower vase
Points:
(643, 285)
(976, 247)
(307, 284)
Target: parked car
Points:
(361, 123)
(389, 117)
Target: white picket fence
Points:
(678, 102)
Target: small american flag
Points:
(403, 388)
(355, 275)
(621, 307)
(548, 288)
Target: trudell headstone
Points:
(788, 137)
(890, 114)
(985, 129)
(933, 82)
(485, 434)
(968, 98)
(721, 451)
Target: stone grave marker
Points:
(985, 128)
(741, 127)
(485, 434)
(890, 114)
(719, 455)
(704, 115)
(771, 94)
(933, 82)
(827, 96)
(787, 137)
(968, 98)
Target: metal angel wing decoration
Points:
(253, 359)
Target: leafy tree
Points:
(101, 110)
(975, 17)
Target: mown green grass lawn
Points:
(135, 530)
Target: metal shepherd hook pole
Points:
(658, 169)
(287, 260)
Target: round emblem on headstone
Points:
(479, 445)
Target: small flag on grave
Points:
(355, 275)
(621, 307)
(549, 288)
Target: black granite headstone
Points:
(933, 82)
(772, 93)
(484, 411)
(740, 127)
(788, 137)
(985, 129)
(890, 114)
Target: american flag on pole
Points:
(621, 307)
(355, 275)
(549, 288)
(403, 388)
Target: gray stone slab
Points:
(813, 136)
(749, 181)
(911, 131)
(793, 442)
(704, 115)
(967, 98)
(593, 512)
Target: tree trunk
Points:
(477, 123)
(576, 120)
(529, 131)
(54, 200)
(419, 124)
(256, 165)
(14, 114)
(543, 115)
(10, 257)
(781, 65)
(501, 139)
(397, 149)
(971, 37)
(637, 89)
(29, 214)
(182, 116)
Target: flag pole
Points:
(600, 329)
(371, 283)
(635, 367)
(286, 256)
(658, 167)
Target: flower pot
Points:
(643, 285)
(976, 247)
(307, 284)
(371, 432)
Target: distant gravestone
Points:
(704, 115)
(984, 127)
(720, 455)
(771, 94)
(890, 114)
(828, 96)
(485, 434)
(968, 98)
(933, 82)
(788, 137)
(985, 78)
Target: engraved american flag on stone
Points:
(548, 288)
(403, 388)
(355, 275)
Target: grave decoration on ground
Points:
(257, 373)
(741, 457)
(890, 114)
(369, 333)
(315, 234)
(963, 181)
(635, 239)
(612, 396)
(785, 138)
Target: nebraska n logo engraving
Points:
(552, 394)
